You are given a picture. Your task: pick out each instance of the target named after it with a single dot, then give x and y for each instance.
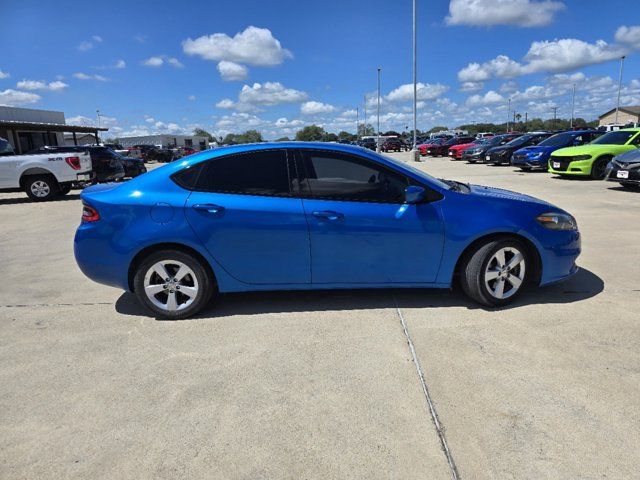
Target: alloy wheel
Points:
(171, 285)
(40, 189)
(504, 274)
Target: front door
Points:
(243, 212)
(361, 230)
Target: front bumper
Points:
(558, 166)
(559, 260)
(473, 157)
(524, 161)
(622, 174)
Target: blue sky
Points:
(226, 66)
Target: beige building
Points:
(625, 115)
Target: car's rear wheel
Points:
(41, 187)
(173, 284)
(496, 272)
(598, 168)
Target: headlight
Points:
(536, 155)
(557, 221)
(577, 158)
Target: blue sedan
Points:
(303, 216)
(537, 157)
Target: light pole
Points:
(357, 124)
(573, 104)
(364, 129)
(508, 115)
(619, 87)
(555, 111)
(416, 154)
(378, 139)
(98, 115)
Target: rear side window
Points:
(262, 172)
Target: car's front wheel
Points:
(173, 284)
(496, 272)
(599, 167)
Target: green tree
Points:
(250, 136)
(283, 139)
(366, 130)
(311, 133)
(200, 132)
(330, 137)
(346, 137)
(437, 129)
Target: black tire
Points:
(598, 168)
(474, 266)
(525, 169)
(203, 281)
(41, 188)
(64, 189)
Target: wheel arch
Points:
(139, 257)
(31, 171)
(532, 250)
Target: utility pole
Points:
(378, 139)
(619, 87)
(98, 115)
(555, 110)
(357, 124)
(416, 154)
(573, 104)
(525, 121)
(364, 130)
(508, 115)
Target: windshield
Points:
(516, 142)
(418, 172)
(619, 137)
(559, 140)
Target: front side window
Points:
(619, 137)
(263, 172)
(337, 176)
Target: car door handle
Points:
(328, 215)
(209, 207)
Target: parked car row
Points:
(613, 155)
(51, 171)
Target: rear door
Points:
(242, 209)
(361, 230)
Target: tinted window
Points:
(255, 173)
(619, 137)
(337, 176)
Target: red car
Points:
(431, 143)
(443, 148)
(455, 152)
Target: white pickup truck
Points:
(42, 176)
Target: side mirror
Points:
(414, 194)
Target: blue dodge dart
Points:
(538, 156)
(302, 216)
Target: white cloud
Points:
(159, 60)
(522, 13)
(253, 46)
(509, 87)
(153, 62)
(85, 46)
(191, 97)
(225, 103)
(120, 64)
(84, 76)
(231, 71)
(471, 86)
(629, 36)
(4, 75)
(97, 38)
(545, 56)
(269, 93)
(425, 91)
(41, 85)
(284, 123)
(488, 98)
(14, 98)
(140, 38)
(315, 108)
(239, 121)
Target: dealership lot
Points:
(278, 385)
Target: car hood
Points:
(501, 194)
(588, 149)
(460, 146)
(535, 149)
(632, 156)
(502, 148)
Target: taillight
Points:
(89, 214)
(73, 162)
